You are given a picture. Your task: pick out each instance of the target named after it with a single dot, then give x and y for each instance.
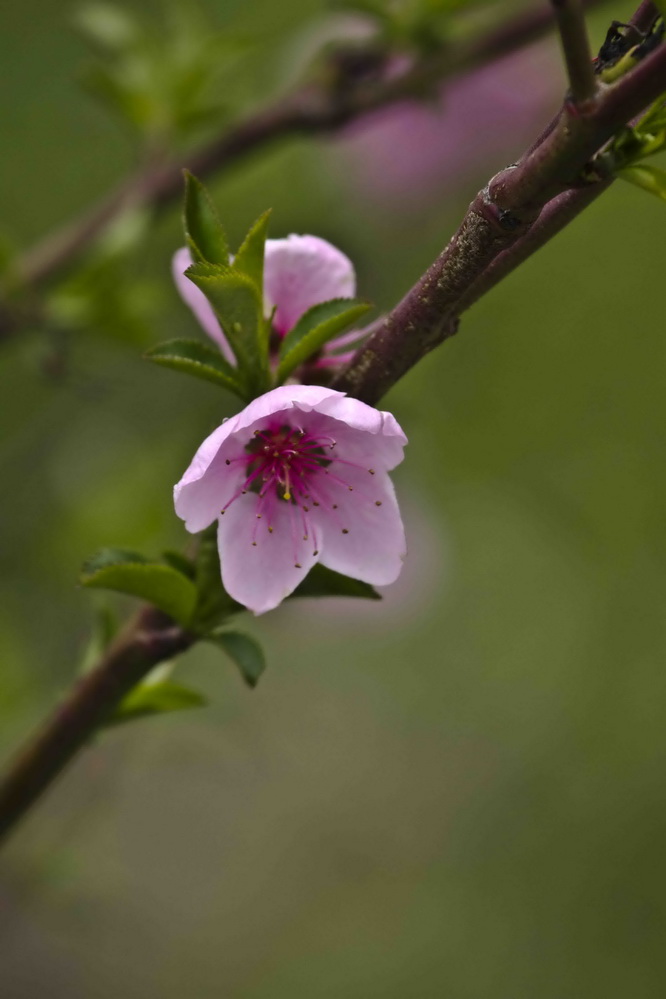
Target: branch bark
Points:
(150, 638)
(503, 225)
(311, 110)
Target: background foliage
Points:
(458, 791)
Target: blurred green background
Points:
(457, 792)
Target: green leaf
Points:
(650, 178)
(323, 582)
(198, 359)
(131, 573)
(244, 651)
(103, 631)
(149, 699)
(206, 236)
(239, 307)
(214, 605)
(250, 257)
(108, 26)
(319, 325)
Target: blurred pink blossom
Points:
(299, 272)
(408, 151)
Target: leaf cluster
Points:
(233, 284)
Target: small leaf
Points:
(108, 26)
(198, 359)
(239, 307)
(214, 605)
(149, 699)
(103, 631)
(203, 228)
(131, 573)
(245, 652)
(250, 257)
(650, 178)
(319, 325)
(323, 582)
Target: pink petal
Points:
(209, 481)
(198, 303)
(260, 576)
(374, 547)
(383, 448)
(301, 271)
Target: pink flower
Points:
(299, 272)
(299, 476)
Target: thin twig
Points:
(576, 48)
(311, 110)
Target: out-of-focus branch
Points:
(313, 109)
(149, 639)
(502, 226)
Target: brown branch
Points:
(501, 217)
(149, 639)
(311, 110)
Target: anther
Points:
(258, 516)
(316, 551)
(350, 488)
(378, 502)
(221, 512)
(372, 471)
(305, 537)
(297, 565)
(335, 506)
(345, 531)
(254, 544)
(307, 508)
(227, 462)
(270, 530)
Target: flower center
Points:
(284, 459)
(289, 470)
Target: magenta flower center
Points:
(289, 465)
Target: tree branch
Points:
(576, 48)
(312, 110)
(493, 236)
(149, 639)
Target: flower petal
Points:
(209, 482)
(301, 271)
(383, 448)
(364, 537)
(198, 303)
(262, 574)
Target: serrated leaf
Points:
(149, 699)
(250, 257)
(203, 229)
(244, 651)
(649, 178)
(239, 307)
(315, 328)
(214, 605)
(131, 573)
(195, 358)
(324, 582)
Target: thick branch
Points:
(149, 639)
(497, 223)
